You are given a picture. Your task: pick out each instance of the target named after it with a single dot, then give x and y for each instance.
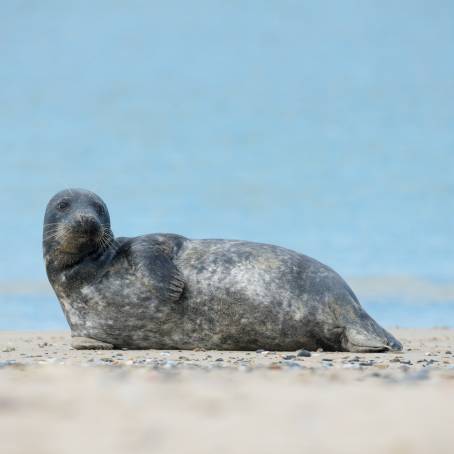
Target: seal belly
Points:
(243, 295)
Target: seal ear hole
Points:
(100, 209)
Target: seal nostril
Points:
(88, 224)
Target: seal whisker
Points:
(53, 234)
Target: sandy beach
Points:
(57, 400)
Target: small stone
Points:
(9, 362)
(448, 352)
(219, 359)
(351, 366)
(293, 365)
(9, 348)
(327, 359)
(319, 349)
(422, 374)
(260, 350)
(303, 353)
(289, 357)
(366, 363)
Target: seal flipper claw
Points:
(175, 286)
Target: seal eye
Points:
(63, 205)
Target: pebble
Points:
(395, 360)
(289, 357)
(366, 363)
(303, 353)
(422, 374)
(9, 362)
(294, 365)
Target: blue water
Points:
(326, 127)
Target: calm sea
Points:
(325, 127)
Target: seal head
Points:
(76, 225)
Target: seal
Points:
(166, 291)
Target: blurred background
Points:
(325, 127)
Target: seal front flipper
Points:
(169, 287)
(153, 258)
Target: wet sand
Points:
(57, 400)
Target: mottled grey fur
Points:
(165, 291)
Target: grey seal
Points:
(165, 291)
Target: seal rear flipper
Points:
(355, 339)
(86, 343)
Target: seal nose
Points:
(88, 224)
